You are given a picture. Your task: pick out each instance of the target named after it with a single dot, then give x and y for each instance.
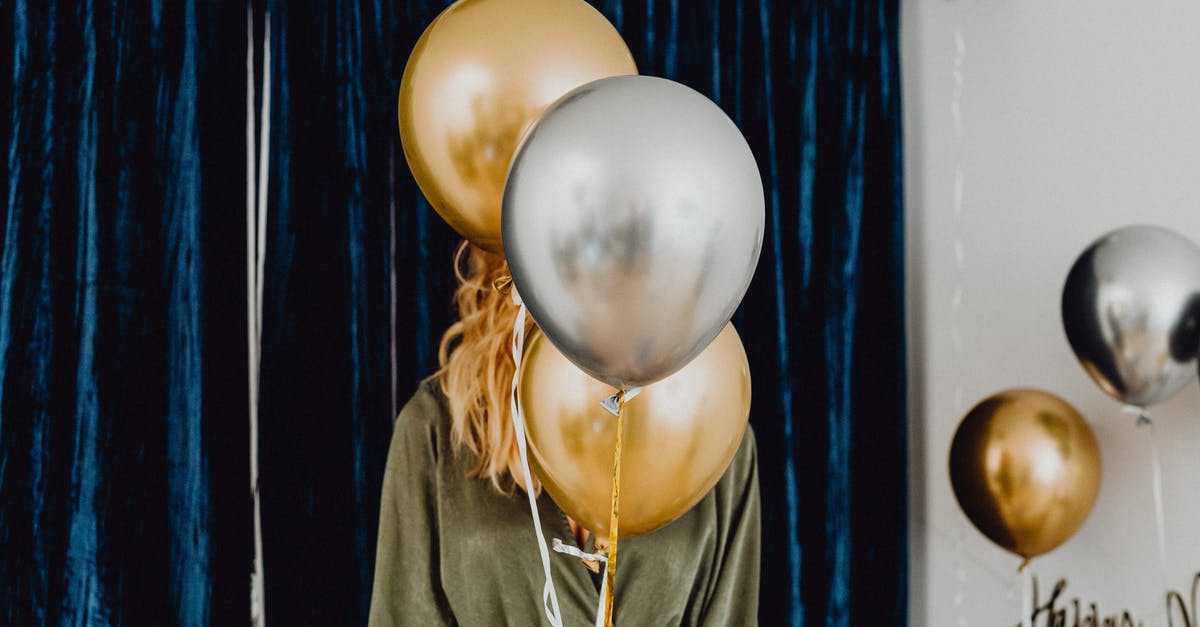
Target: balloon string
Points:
(1156, 485)
(610, 570)
(1026, 575)
(1143, 420)
(600, 614)
(598, 556)
(566, 549)
(549, 595)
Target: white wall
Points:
(1077, 117)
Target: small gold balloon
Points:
(679, 434)
(1025, 467)
(481, 73)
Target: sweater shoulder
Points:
(423, 425)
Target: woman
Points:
(455, 542)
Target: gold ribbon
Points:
(611, 570)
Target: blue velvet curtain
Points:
(123, 397)
(123, 402)
(359, 285)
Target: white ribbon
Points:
(549, 595)
(1155, 483)
(1026, 596)
(599, 556)
(256, 247)
(568, 549)
(603, 593)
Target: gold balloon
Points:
(1025, 467)
(680, 434)
(481, 73)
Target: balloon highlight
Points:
(679, 436)
(1025, 468)
(633, 221)
(481, 73)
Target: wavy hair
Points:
(476, 368)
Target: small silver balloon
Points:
(632, 222)
(1131, 310)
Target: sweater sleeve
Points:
(733, 597)
(407, 588)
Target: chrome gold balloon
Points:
(679, 435)
(478, 76)
(1025, 467)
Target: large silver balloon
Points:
(1131, 309)
(632, 221)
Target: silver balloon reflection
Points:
(1131, 310)
(632, 221)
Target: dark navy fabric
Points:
(124, 493)
(123, 396)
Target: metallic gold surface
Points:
(679, 435)
(478, 76)
(1025, 467)
(610, 573)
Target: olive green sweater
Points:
(454, 551)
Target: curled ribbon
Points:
(615, 404)
(549, 595)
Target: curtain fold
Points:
(123, 327)
(359, 283)
(814, 86)
(327, 399)
(122, 370)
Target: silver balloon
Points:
(1131, 310)
(632, 221)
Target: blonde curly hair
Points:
(476, 367)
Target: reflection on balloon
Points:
(479, 75)
(680, 434)
(1131, 311)
(1025, 467)
(633, 220)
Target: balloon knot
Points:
(612, 404)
